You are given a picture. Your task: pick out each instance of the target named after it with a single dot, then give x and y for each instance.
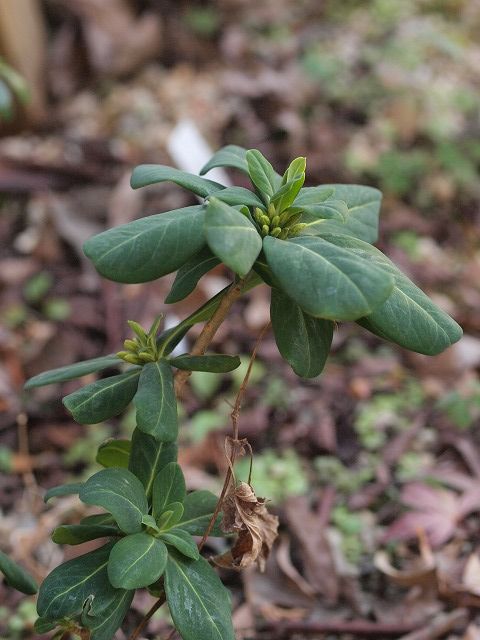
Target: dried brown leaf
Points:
(247, 515)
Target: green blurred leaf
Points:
(63, 490)
(199, 603)
(16, 576)
(190, 273)
(182, 541)
(212, 364)
(148, 457)
(148, 248)
(304, 341)
(230, 156)
(231, 236)
(155, 402)
(199, 507)
(146, 174)
(137, 561)
(114, 453)
(70, 372)
(120, 493)
(103, 399)
(169, 487)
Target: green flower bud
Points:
(132, 359)
(276, 221)
(297, 228)
(131, 345)
(146, 356)
(265, 230)
(276, 232)
(271, 210)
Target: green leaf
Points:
(363, 211)
(70, 372)
(285, 196)
(313, 195)
(190, 273)
(182, 541)
(64, 591)
(63, 490)
(77, 533)
(105, 615)
(314, 214)
(44, 626)
(230, 156)
(148, 457)
(16, 576)
(114, 453)
(171, 516)
(99, 519)
(149, 521)
(231, 236)
(262, 174)
(235, 196)
(212, 364)
(155, 402)
(199, 603)
(302, 340)
(148, 248)
(199, 507)
(120, 493)
(408, 317)
(296, 168)
(325, 280)
(169, 486)
(137, 561)
(146, 174)
(103, 399)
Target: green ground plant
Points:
(313, 247)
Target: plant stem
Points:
(210, 329)
(144, 621)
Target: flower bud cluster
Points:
(282, 226)
(143, 348)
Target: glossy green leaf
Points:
(230, 156)
(148, 457)
(199, 507)
(363, 205)
(137, 561)
(155, 402)
(69, 489)
(78, 533)
(146, 174)
(235, 196)
(182, 541)
(262, 174)
(64, 591)
(408, 317)
(103, 399)
(70, 372)
(120, 493)
(302, 340)
(169, 486)
(105, 615)
(326, 280)
(148, 248)
(213, 364)
(190, 273)
(114, 453)
(16, 576)
(231, 236)
(285, 196)
(199, 603)
(314, 195)
(316, 214)
(171, 516)
(295, 168)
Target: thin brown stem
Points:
(209, 330)
(234, 416)
(146, 618)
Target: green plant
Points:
(312, 247)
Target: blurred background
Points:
(374, 468)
